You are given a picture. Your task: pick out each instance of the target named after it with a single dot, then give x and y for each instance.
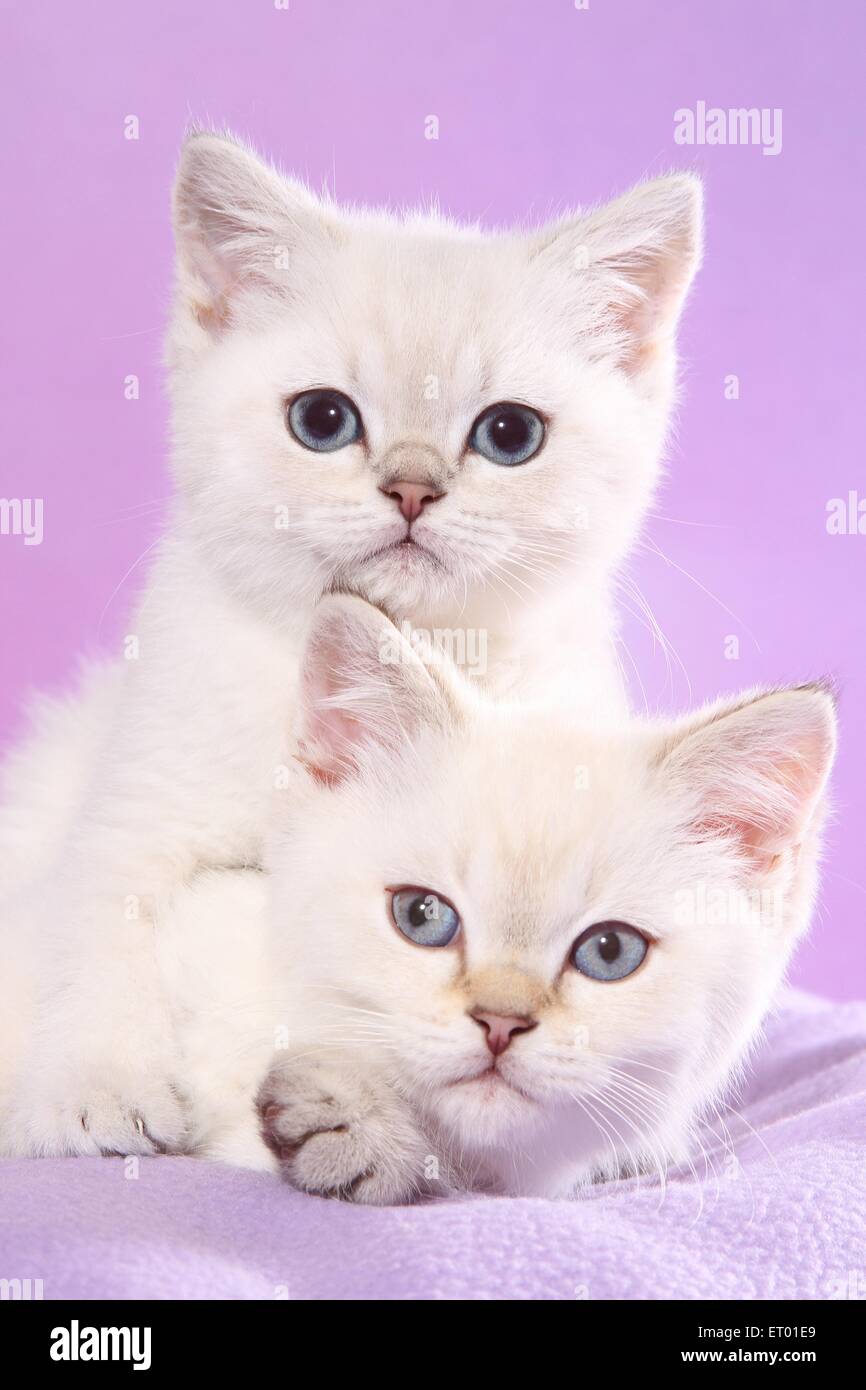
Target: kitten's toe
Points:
(348, 1146)
(100, 1121)
(151, 1124)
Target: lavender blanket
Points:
(783, 1215)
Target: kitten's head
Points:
(558, 940)
(412, 409)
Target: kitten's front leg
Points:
(96, 1073)
(183, 777)
(338, 1131)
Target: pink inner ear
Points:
(356, 700)
(315, 765)
(327, 747)
(755, 770)
(773, 814)
(762, 844)
(648, 317)
(329, 734)
(210, 293)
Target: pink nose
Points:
(411, 497)
(501, 1028)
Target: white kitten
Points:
(506, 523)
(534, 949)
(496, 949)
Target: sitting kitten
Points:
(463, 426)
(505, 951)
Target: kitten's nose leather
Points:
(411, 498)
(501, 1028)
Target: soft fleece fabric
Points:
(786, 1218)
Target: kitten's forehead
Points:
(561, 830)
(530, 891)
(453, 347)
(535, 818)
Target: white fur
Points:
(169, 768)
(534, 828)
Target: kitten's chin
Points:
(402, 577)
(484, 1110)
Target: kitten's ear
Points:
(366, 689)
(630, 265)
(756, 770)
(238, 224)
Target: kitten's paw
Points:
(339, 1136)
(115, 1115)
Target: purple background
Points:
(540, 105)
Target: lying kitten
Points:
(463, 426)
(505, 951)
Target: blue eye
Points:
(324, 420)
(424, 917)
(609, 951)
(507, 434)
